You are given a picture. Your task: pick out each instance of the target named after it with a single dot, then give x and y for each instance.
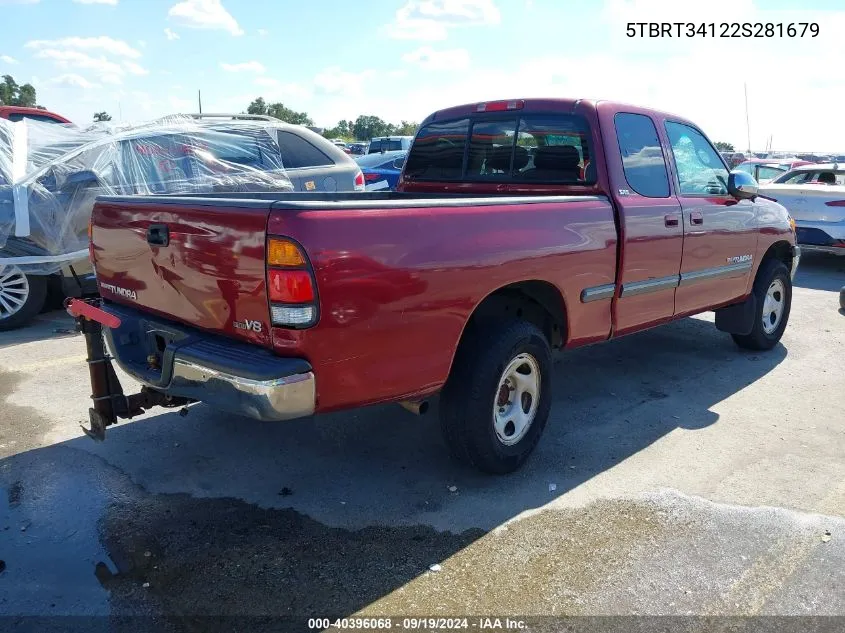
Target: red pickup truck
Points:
(519, 226)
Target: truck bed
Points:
(396, 274)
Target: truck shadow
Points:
(323, 517)
(821, 271)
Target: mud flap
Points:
(738, 318)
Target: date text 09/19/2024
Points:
(722, 29)
(418, 623)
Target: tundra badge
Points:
(740, 259)
(123, 292)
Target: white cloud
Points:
(135, 69)
(111, 2)
(263, 32)
(244, 67)
(334, 80)
(8, 60)
(430, 59)
(102, 43)
(204, 14)
(431, 20)
(72, 79)
(171, 35)
(108, 71)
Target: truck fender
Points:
(737, 318)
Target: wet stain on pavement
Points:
(189, 558)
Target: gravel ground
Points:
(678, 476)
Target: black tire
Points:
(842, 298)
(468, 398)
(32, 306)
(758, 339)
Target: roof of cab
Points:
(552, 104)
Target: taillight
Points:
(359, 181)
(290, 285)
(372, 177)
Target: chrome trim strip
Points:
(649, 285)
(717, 272)
(597, 293)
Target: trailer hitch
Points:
(109, 401)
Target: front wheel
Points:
(21, 297)
(497, 399)
(773, 293)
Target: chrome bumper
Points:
(796, 259)
(283, 398)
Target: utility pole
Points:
(747, 125)
(199, 99)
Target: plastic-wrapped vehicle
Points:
(51, 174)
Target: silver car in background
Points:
(814, 195)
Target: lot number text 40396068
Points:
(722, 29)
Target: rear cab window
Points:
(642, 157)
(510, 148)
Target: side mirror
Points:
(741, 185)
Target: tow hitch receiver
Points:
(110, 403)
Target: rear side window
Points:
(550, 148)
(642, 157)
(298, 153)
(438, 151)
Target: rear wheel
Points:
(773, 294)
(21, 297)
(496, 401)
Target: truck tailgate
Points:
(200, 264)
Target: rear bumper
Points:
(825, 237)
(236, 377)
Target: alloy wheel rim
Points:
(773, 306)
(14, 291)
(517, 399)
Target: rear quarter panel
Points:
(397, 286)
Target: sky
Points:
(403, 59)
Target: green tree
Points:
(368, 126)
(101, 116)
(406, 128)
(279, 111)
(257, 107)
(724, 147)
(13, 94)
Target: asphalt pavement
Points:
(678, 476)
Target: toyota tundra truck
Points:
(519, 227)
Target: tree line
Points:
(12, 94)
(363, 128)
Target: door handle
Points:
(696, 217)
(158, 235)
(670, 220)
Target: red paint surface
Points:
(7, 111)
